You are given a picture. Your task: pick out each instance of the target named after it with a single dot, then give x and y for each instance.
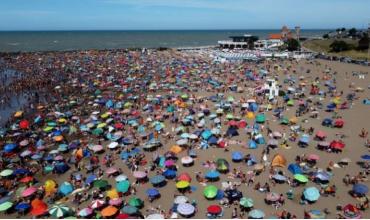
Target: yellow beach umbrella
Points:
(112, 194)
(182, 184)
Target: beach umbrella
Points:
(97, 148)
(157, 179)
(185, 209)
(323, 176)
(365, 157)
(6, 172)
(120, 178)
(109, 211)
(29, 191)
(279, 177)
(123, 186)
(212, 174)
(10, 147)
(100, 183)
(152, 192)
(169, 174)
(182, 184)
(246, 202)
(122, 216)
(115, 201)
(256, 214)
(97, 203)
(113, 145)
(277, 134)
(139, 174)
(360, 189)
(187, 160)
(316, 214)
(320, 134)
(184, 177)
(38, 207)
(23, 206)
(260, 118)
(85, 212)
(26, 179)
(311, 194)
(273, 197)
(313, 157)
(111, 170)
(59, 211)
(301, 178)
(130, 210)
(24, 124)
(155, 216)
(237, 156)
(5, 206)
(66, 188)
(112, 193)
(210, 192)
(214, 209)
(222, 165)
(180, 199)
(135, 201)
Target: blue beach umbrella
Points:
(311, 194)
(365, 157)
(360, 189)
(256, 214)
(157, 179)
(152, 192)
(169, 174)
(295, 169)
(212, 174)
(66, 188)
(237, 156)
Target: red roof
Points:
(275, 36)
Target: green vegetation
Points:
(323, 46)
(339, 46)
(363, 43)
(293, 44)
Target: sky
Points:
(181, 14)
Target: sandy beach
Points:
(165, 87)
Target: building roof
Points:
(275, 36)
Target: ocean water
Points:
(14, 41)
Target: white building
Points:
(270, 44)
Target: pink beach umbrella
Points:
(139, 174)
(58, 158)
(169, 163)
(29, 191)
(313, 157)
(115, 202)
(97, 204)
(97, 148)
(111, 170)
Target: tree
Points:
(338, 46)
(343, 29)
(352, 32)
(363, 43)
(293, 44)
(326, 36)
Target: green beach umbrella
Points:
(123, 186)
(100, 183)
(6, 172)
(129, 210)
(52, 124)
(48, 129)
(19, 191)
(5, 206)
(230, 99)
(210, 192)
(284, 121)
(59, 211)
(97, 92)
(184, 96)
(135, 202)
(246, 202)
(261, 118)
(301, 178)
(229, 116)
(290, 102)
(97, 131)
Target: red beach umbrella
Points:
(24, 124)
(214, 209)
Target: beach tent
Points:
(278, 161)
(222, 165)
(327, 122)
(294, 169)
(252, 144)
(232, 131)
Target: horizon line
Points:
(238, 29)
